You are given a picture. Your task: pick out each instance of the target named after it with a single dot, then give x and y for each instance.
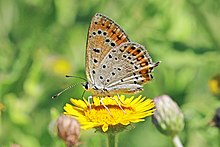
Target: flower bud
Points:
(216, 119)
(168, 117)
(68, 130)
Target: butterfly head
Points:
(89, 87)
(95, 90)
(85, 85)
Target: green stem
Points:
(176, 141)
(111, 140)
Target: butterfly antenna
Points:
(68, 76)
(58, 94)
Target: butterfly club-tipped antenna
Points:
(69, 87)
(58, 94)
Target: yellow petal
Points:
(78, 103)
(96, 101)
(104, 127)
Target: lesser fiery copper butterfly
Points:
(114, 64)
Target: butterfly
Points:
(114, 64)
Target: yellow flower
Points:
(97, 116)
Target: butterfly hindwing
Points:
(125, 68)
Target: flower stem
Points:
(111, 140)
(176, 141)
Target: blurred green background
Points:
(42, 41)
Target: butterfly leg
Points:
(120, 99)
(118, 104)
(89, 101)
(101, 100)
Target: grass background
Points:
(41, 41)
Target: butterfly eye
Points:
(86, 85)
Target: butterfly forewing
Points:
(103, 35)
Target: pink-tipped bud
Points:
(68, 130)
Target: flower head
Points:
(97, 116)
(168, 117)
